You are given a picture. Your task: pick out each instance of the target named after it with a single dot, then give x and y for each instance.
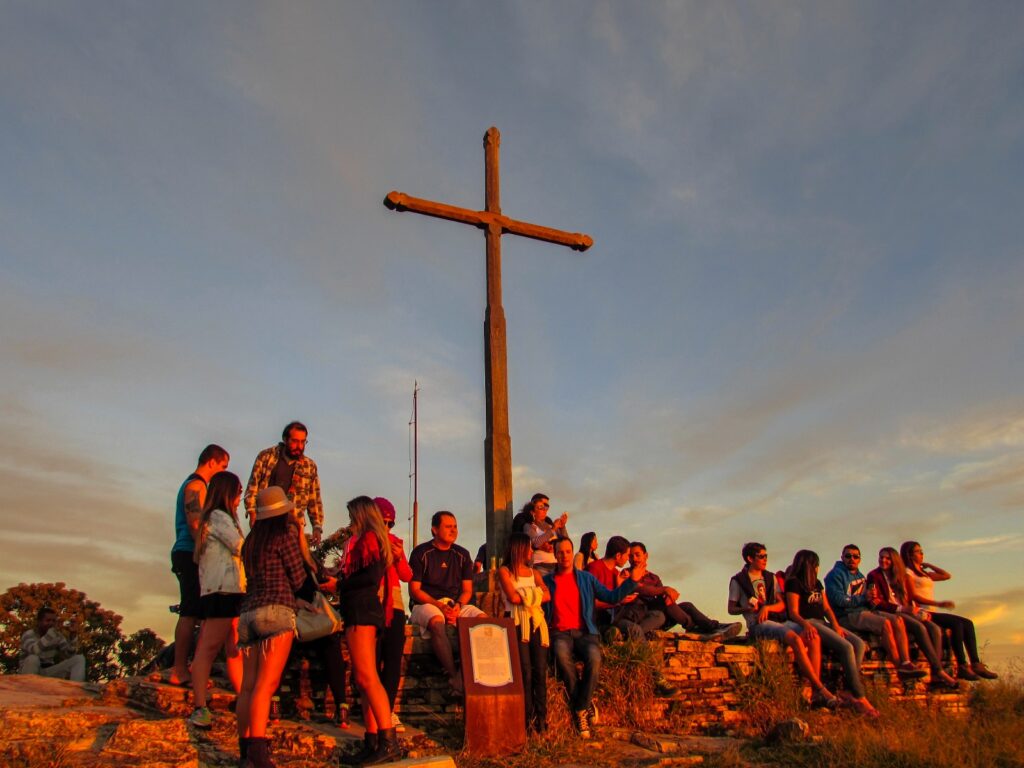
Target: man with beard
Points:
(286, 466)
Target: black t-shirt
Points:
(811, 602)
(441, 571)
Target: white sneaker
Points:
(397, 724)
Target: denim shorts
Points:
(265, 622)
(774, 630)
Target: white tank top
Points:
(923, 585)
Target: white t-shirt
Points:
(923, 585)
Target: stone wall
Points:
(707, 676)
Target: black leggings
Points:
(329, 650)
(962, 630)
(390, 645)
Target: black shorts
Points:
(221, 605)
(188, 584)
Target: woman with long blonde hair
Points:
(218, 554)
(889, 592)
(367, 558)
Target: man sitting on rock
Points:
(570, 615)
(46, 652)
(606, 571)
(661, 600)
(441, 589)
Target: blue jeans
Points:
(587, 648)
(849, 651)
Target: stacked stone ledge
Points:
(707, 676)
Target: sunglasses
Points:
(851, 557)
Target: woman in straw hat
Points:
(274, 569)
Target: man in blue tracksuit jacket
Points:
(570, 616)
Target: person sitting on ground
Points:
(524, 595)
(606, 571)
(846, 589)
(543, 532)
(573, 631)
(752, 594)
(222, 587)
(889, 592)
(587, 552)
(921, 578)
(807, 605)
(46, 652)
(658, 597)
(441, 589)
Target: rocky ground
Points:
(58, 724)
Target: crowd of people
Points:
(243, 593)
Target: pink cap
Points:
(387, 509)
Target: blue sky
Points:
(799, 323)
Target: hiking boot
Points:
(579, 719)
(201, 717)
(593, 716)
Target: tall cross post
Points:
(497, 443)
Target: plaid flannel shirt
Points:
(305, 490)
(279, 576)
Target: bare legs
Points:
(213, 635)
(362, 649)
(262, 665)
(807, 655)
(443, 651)
(184, 631)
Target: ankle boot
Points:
(259, 753)
(370, 741)
(388, 748)
(243, 752)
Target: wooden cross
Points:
(497, 443)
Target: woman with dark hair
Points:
(807, 605)
(921, 577)
(524, 592)
(543, 532)
(889, 592)
(274, 570)
(587, 553)
(391, 643)
(368, 556)
(218, 554)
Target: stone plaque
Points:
(491, 655)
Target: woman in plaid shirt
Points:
(275, 572)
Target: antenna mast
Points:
(415, 466)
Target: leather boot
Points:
(243, 752)
(370, 741)
(388, 748)
(259, 753)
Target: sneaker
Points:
(722, 632)
(593, 716)
(663, 687)
(201, 717)
(908, 671)
(612, 635)
(397, 724)
(965, 672)
(582, 726)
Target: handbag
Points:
(319, 622)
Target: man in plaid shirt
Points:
(286, 466)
